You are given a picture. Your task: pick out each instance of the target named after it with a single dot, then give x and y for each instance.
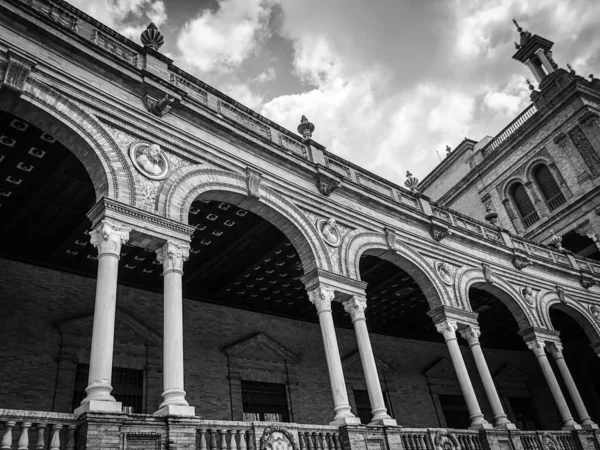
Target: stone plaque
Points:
(141, 441)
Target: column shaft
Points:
(356, 308)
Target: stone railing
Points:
(541, 440)
(508, 130)
(37, 430)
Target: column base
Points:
(385, 422)
(574, 426)
(506, 426)
(176, 410)
(345, 421)
(589, 426)
(99, 405)
(485, 425)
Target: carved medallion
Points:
(444, 440)
(444, 272)
(277, 437)
(549, 442)
(595, 310)
(149, 160)
(330, 232)
(528, 295)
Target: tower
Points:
(535, 52)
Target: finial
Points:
(556, 241)
(571, 70)
(448, 149)
(306, 128)
(519, 29)
(531, 88)
(517, 46)
(411, 182)
(491, 216)
(152, 38)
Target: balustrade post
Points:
(213, 439)
(538, 349)
(55, 440)
(309, 440)
(202, 439)
(223, 441)
(172, 256)
(71, 437)
(242, 434)
(448, 329)
(7, 439)
(555, 349)
(336, 440)
(232, 443)
(40, 442)
(322, 297)
(108, 238)
(355, 307)
(251, 440)
(24, 438)
(471, 334)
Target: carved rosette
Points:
(172, 255)
(447, 328)
(108, 237)
(356, 308)
(321, 297)
(471, 334)
(444, 440)
(595, 310)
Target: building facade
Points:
(180, 272)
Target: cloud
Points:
(222, 40)
(244, 95)
(263, 77)
(128, 17)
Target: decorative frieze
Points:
(192, 88)
(244, 119)
(292, 145)
(115, 48)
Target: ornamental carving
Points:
(172, 256)
(149, 160)
(549, 442)
(595, 310)
(444, 271)
(277, 437)
(108, 237)
(355, 307)
(321, 297)
(444, 440)
(528, 295)
(253, 179)
(329, 231)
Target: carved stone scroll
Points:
(17, 72)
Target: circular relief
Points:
(595, 310)
(149, 160)
(444, 272)
(330, 232)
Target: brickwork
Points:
(36, 298)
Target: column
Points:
(471, 334)
(107, 237)
(448, 329)
(538, 349)
(356, 308)
(555, 350)
(544, 60)
(172, 255)
(322, 297)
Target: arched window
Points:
(523, 203)
(549, 187)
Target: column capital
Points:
(447, 328)
(555, 349)
(321, 297)
(471, 334)
(356, 308)
(172, 255)
(108, 237)
(537, 346)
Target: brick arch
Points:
(358, 243)
(540, 160)
(576, 309)
(508, 183)
(187, 183)
(82, 134)
(501, 289)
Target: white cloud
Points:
(263, 77)
(511, 99)
(223, 39)
(129, 17)
(241, 93)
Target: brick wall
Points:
(33, 299)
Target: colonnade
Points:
(108, 238)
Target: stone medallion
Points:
(277, 437)
(444, 440)
(595, 310)
(149, 160)
(330, 232)
(528, 295)
(445, 273)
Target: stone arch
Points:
(499, 288)
(508, 184)
(358, 243)
(82, 134)
(185, 184)
(579, 311)
(533, 164)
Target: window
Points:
(585, 149)
(265, 402)
(523, 203)
(363, 405)
(128, 387)
(547, 184)
(455, 411)
(525, 416)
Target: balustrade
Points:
(24, 430)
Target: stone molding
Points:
(459, 316)
(16, 73)
(335, 281)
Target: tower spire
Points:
(535, 52)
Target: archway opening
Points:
(583, 363)
(580, 244)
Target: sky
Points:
(388, 84)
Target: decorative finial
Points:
(556, 242)
(491, 216)
(448, 149)
(411, 182)
(571, 70)
(517, 46)
(531, 88)
(306, 128)
(519, 29)
(152, 38)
